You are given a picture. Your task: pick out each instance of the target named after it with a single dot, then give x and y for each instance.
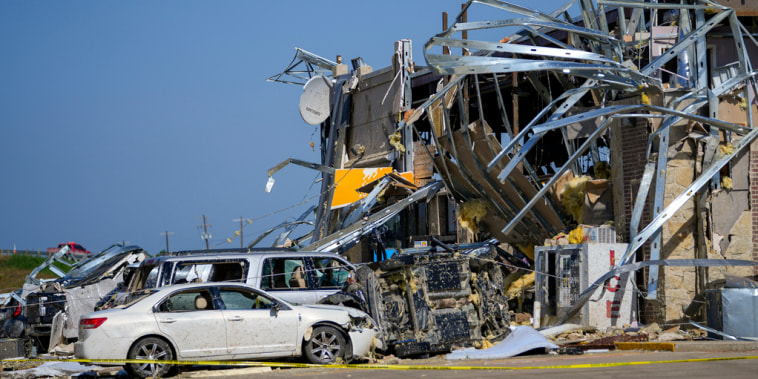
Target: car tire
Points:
(327, 344)
(151, 348)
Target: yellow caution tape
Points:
(378, 366)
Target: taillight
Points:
(91, 323)
(17, 311)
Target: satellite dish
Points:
(315, 100)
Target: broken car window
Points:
(237, 299)
(193, 300)
(281, 273)
(331, 273)
(152, 278)
(192, 273)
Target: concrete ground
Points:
(616, 364)
(733, 359)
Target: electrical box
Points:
(564, 272)
(733, 311)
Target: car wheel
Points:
(325, 346)
(150, 348)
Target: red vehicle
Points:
(75, 248)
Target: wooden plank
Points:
(467, 191)
(484, 138)
(492, 194)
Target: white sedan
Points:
(220, 321)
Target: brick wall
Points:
(634, 143)
(632, 139)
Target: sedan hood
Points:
(351, 311)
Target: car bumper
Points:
(363, 341)
(95, 348)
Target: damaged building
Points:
(611, 122)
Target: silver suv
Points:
(295, 276)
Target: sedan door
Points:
(254, 328)
(189, 319)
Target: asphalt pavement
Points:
(685, 359)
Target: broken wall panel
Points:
(522, 184)
(372, 121)
(423, 168)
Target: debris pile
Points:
(593, 338)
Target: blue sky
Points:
(120, 120)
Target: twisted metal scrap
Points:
(605, 64)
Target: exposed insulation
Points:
(396, 140)
(414, 285)
(644, 98)
(726, 183)
(603, 170)
(380, 196)
(573, 197)
(576, 235)
(519, 285)
(527, 250)
(483, 344)
(470, 213)
(726, 149)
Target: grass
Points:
(15, 268)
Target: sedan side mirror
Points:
(275, 308)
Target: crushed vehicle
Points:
(427, 301)
(221, 321)
(51, 308)
(76, 249)
(295, 276)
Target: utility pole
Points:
(242, 226)
(167, 233)
(206, 236)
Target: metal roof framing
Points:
(604, 68)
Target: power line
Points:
(205, 235)
(242, 228)
(167, 233)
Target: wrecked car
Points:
(221, 321)
(52, 307)
(427, 301)
(298, 277)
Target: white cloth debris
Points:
(521, 340)
(52, 369)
